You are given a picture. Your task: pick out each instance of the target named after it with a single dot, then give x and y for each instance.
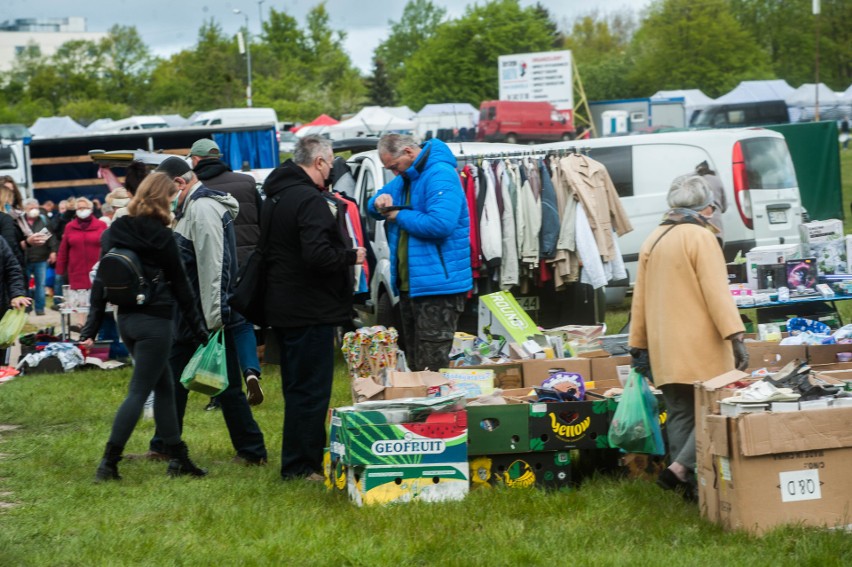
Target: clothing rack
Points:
(558, 152)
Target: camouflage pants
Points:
(428, 326)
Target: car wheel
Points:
(567, 136)
(511, 139)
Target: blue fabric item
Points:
(796, 325)
(38, 272)
(437, 224)
(258, 147)
(550, 224)
(246, 344)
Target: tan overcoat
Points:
(682, 309)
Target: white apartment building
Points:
(47, 33)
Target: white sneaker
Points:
(762, 392)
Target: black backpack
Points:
(124, 280)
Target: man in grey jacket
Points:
(204, 231)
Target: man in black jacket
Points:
(309, 290)
(215, 174)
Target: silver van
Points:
(754, 165)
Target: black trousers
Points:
(245, 433)
(307, 370)
(428, 326)
(147, 339)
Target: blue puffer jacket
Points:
(437, 224)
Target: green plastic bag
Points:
(11, 326)
(635, 426)
(207, 370)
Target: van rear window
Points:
(768, 164)
(619, 164)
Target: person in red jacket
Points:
(80, 247)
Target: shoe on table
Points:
(254, 393)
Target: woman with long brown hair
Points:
(147, 329)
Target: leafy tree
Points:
(685, 44)
(379, 89)
(127, 64)
(787, 32)
(459, 63)
(420, 19)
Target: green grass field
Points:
(53, 514)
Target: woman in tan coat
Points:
(683, 319)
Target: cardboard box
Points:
(557, 426)
(773, 254)
(821, 231)
(402, 385)
(606, 372)
(498, 429)
(826, 354)
(500, 314)
(537, 371)
(473, 382)
(737, 273)
(770, 469)
(390, 484)
(366, 438)
(831, 257)
(527, 470)
(773, 356)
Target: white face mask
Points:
(33, 213)
(83, 213)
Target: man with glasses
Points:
(428, 232)
(309, 288)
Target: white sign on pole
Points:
(545, 76)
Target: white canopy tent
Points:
(757, 91)
(847, 95)
(401, 112)
(370, 121)
(450, 115)
(693, 100)
(803, 102)
(55, 126)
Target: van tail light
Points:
(741, 187)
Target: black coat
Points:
(12, 277)
(308, 263)
(158, 251)
(11, 234)
(216, 174)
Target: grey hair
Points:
(30, 201)
(690, 192)
(393, 144)
(311, 147)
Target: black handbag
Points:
(249, 293)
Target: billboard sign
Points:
(538, 77)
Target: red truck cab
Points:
(520, 121)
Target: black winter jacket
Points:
(216, 174)
(308, 265)
(11, 277)
(158, 251)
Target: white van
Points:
(134, 123)
(237, 117)
(754, 165)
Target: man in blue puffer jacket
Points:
(429, 235)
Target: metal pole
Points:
(260, 13)
(248, 62)
(816, 9)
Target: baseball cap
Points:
(173, 166)
(205, 147)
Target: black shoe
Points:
(213, 405)
(254, 393)
(667, 480)
(181, 464)
(108, 468)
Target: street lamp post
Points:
(248, 55)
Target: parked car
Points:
(520, 121)
(742, 114)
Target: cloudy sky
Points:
(169, 26)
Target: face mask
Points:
(83, 213)
(8, 207)
(175, 203)
(33, 213)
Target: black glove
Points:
(641, 361)
(201, 336)
(740, 354)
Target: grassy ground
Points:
(247, 516)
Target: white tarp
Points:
(451, 115)
(55, 126)
(806, 95)
(401, 112)
(370, 121)
(757, 91)
(847, 95)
